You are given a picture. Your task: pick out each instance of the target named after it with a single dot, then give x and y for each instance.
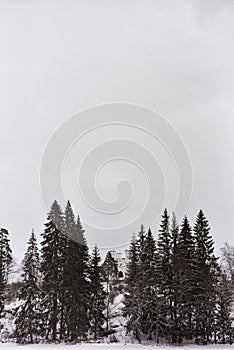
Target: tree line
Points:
(175, 289)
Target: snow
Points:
(110, 346)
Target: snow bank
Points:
(111, 346)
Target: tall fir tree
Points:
(5, 264)
(205, 291)
(27, 316)
(97, 295)
(52, 264)
(223, 318)
(149, 263)
(176, 284)
(143, 302)
(164, 250)
(187, 280)
(69, 221)
(133, 309)
(78, 287)
(109, 276)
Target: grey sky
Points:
(58, 57)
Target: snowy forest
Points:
(176, 290)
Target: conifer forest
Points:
(172, 288)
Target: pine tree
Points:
(186, 281)
(143, 302)
(132, 308)
(164, 251)
(5, 264)
(142, 280)
(109, 268)
(223, 317)
(69, 221)
(27, 313)
(78, 233)
(206, 286)
(97, 297)
(52, 264)
(150, 282)
(78, 288)
(132, 268)
(176, 284)
(109, 275)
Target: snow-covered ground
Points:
(111, 346)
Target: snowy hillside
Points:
(112, 346)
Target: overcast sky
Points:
(60, 57)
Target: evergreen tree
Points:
(186, 281)
(52, 265)
(164, 251)
(77, 285)
(78, 233)
(109, 268)
(133, 309)
(176, 284)
(5, 264)
(150, 300)
(206, 281)
(69, 221)
(27, 313)
(97, 297)
(132, 267)
(109, 276)
(143, 303)
(223, 319)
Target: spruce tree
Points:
(69, 221)
(109, 268)
(206, 280)
(109, 276)
(52, 264)
(164, 251)
(151, 303)
(223, 318)
(76, 271)
(27, 313)
(97, 295)
(186, 281)
(133, 310)
(143, 302)
(176, 284)
(5, 264)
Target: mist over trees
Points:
(175, 289)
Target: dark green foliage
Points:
(65, 287)
(133, 305)
(97, 295)
(76, 280)
(27, 314)
(5, 264)
(109, 277)
(164, 251)
(109, 268)
(175, 288)
(206, 280)
(176, 291)
(52, 270)
(186, 271)
(223, 319)
(142, 303)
